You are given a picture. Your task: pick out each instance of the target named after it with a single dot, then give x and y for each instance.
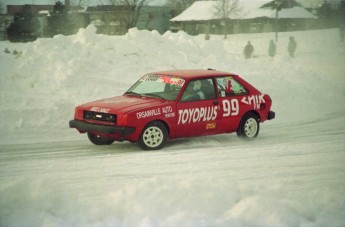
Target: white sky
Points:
(43, 2)
(47, 2)
(306, 3)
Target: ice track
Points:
(289, 172)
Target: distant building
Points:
(201, 17)
(312, 4)
(5, 21)
(155, 18)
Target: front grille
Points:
(97, 116)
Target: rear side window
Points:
(228, 86)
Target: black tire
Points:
(249, 126)
(154, 136)
(98, 140)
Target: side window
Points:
(228, 86)
(201, 89)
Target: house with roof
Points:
(202, 17)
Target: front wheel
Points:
(98, 140)
(153, 137)
(249, 126)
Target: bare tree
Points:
(225, 9)
(180, 4)
(79, 2)
(127, 12)
(1, 7)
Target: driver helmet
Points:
(197, 85)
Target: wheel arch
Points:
(161, 121)
(253, 112)
(248, 112)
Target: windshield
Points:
(165, 87)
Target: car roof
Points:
(194, 73)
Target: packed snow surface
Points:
(293, 174)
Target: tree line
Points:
(26, 27)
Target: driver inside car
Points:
(193, 92)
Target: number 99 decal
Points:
(230, 107)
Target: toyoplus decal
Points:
(254, 99)
(197, 114)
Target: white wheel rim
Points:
(153, 137)
(251, 127)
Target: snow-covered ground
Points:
(293, 174)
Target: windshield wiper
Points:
(154, 95)
(133, 93)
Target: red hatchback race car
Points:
(173, 104)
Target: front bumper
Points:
(271, 115)
(107, 129)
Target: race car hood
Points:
(122, 104)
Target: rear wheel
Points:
(154, 136)
(249, 126)
(98, 140)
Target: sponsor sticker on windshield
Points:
(164, 79)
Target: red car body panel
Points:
(219, 114)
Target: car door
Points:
(198, 110)
(231, 94)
